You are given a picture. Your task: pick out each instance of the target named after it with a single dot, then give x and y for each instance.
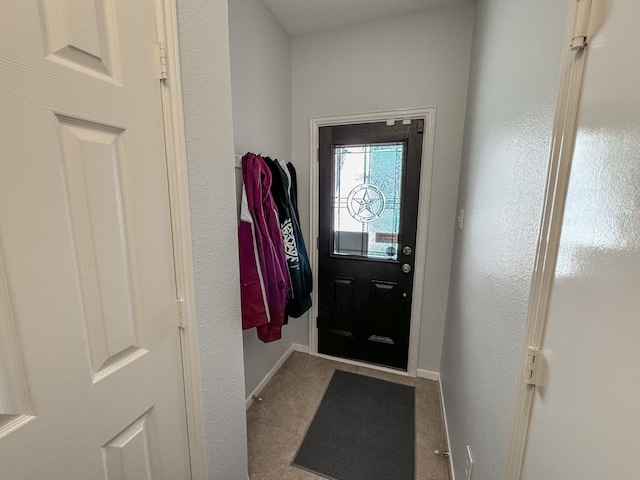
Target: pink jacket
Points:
(264, 279)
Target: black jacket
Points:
(284, 192)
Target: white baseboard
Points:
(256, 391)
(269, 376)
(428, 374)
(446, 432)
(301, 348)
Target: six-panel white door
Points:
(90, 364)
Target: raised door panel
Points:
(96, 166)
(15, 407)
(383, 310)
(130, 455)
(343, 303)
(79, 34)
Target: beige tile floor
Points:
(276, 426)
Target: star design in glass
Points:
(366, 203)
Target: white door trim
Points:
(428, 114)
(561, 155)
(175, 145)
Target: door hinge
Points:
(182, 313)
(317, 243)
(579, 38)
(163, 60)
(533, 368)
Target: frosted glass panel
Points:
(367, 198)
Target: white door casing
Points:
(90, 376)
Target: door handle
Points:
(406, 268)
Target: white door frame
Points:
(175, 146)
(561, 156)
(428, 114)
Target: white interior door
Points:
(585, 423)
(90, 367)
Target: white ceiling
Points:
(299, 17)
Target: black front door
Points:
(369, 186)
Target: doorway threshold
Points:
(358, 363)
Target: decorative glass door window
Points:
(366, 200)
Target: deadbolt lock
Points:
(407, 250)
(406, 268)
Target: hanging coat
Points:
(262, 260)
(296, 309)
(253, 294)
(300, 300)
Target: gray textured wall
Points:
(510, 112)
(204, 50)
